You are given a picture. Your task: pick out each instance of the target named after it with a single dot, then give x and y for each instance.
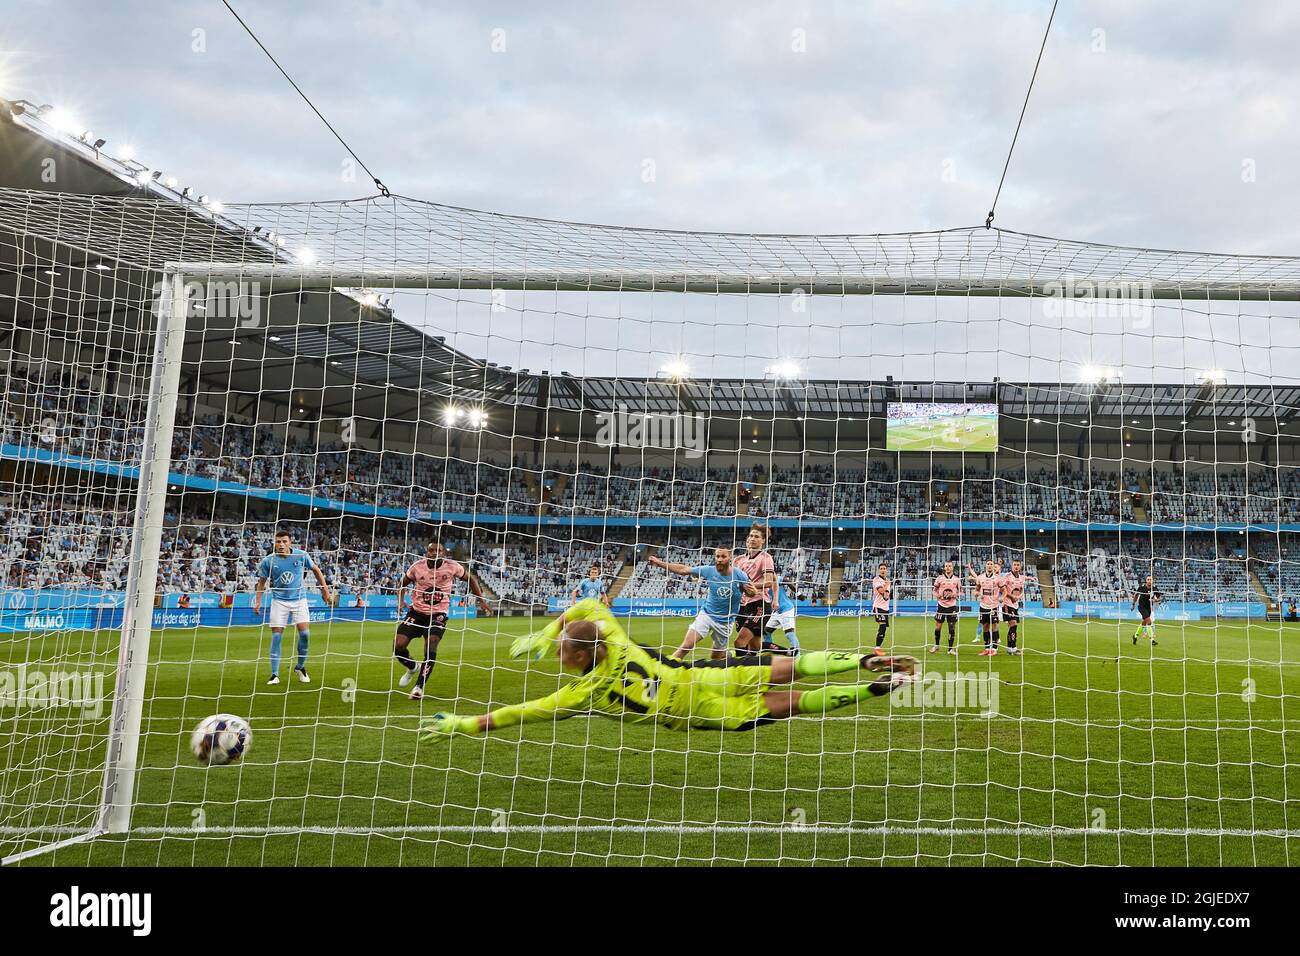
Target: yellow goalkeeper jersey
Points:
(638, 684)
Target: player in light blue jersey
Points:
(593, 586)
(729, 587)
(285, 569)
(783, 616)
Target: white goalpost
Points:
(146, 543)
(131, 677)
(181, 384)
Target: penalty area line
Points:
(684, 830)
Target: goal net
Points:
(553, 405)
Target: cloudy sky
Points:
(895, 115)
(1170, 123)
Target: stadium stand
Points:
(52, 541)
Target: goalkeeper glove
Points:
(445, 725)
(533, 645)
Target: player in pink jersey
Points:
(761, 571)
(947, 592)
(881, 593)
(432, 578)
(979, 627)
(1013, 592)
(988, 588)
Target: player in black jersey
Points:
(1145, 598)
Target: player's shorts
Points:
(751, 618)
(1146, 613)
(782, 619)
(988, 616)
(725, 695)
(719, 634)
(1010, 614)
(943, 614)
(289, 612)
(422, 624)
(882, 617)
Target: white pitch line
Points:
(336, 721)
(685, 830)
(1207, 725)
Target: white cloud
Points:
(1142, 143)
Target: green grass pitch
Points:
(1101, 752)
(952, 436)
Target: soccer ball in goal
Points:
(221, 739)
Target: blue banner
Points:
(1168, 611)
(34, 609)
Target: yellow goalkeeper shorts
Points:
(721, 695)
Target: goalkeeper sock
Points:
(825, 663)
(825, 699)
(302, 650)
(276, 638)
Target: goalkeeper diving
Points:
(619, 678)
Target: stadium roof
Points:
(870, 399)
(115, 212)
